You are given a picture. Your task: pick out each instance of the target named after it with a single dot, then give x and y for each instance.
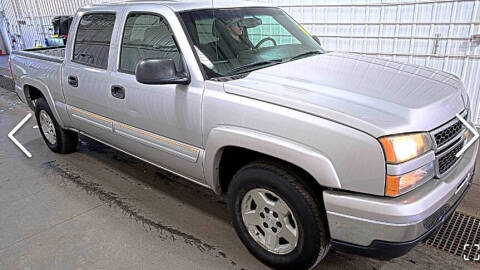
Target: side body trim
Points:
(147, 161)
(168, 145)
(92, 119)
(165, 144)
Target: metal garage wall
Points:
(31, 20)
(438, 34)
(3, 36)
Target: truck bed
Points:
(54, 54)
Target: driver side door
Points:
(159, 123)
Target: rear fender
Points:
(28, 81)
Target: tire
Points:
(280, 184)
(64, 141)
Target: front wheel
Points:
(276, 217)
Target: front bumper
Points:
(384, 227)
(388, 250)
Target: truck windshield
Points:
(235, 41)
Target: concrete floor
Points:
(100, 209)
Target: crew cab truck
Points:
(312, 149)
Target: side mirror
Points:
(160, 71)
(317, 39)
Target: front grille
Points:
(449, 133)
(447, 161)
(448, 140)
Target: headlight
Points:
(401, 148)
(396, 185)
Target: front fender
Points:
(300, 155)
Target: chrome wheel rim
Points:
(48, 129)
(269, 221)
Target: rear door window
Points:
(92, 43)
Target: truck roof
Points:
(177, 5)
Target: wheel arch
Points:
(34, 89)
(244, 145)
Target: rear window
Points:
(92, 44)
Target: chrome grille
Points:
(449, 133)
(448, 140)
(448, 160)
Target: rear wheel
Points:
(276, 216)
(59, 140)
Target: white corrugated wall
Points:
(443, 34)
(31, 20)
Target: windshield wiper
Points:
(255, 64)
(302, 55)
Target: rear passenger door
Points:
(160, 123)
(86, 76)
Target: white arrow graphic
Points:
(475, 136)
(10, 135)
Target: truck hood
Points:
(377, 96)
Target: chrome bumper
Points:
(362, 219)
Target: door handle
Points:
(118, 92)
(73, 81)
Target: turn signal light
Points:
(396, 185)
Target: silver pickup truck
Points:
(313, 149)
